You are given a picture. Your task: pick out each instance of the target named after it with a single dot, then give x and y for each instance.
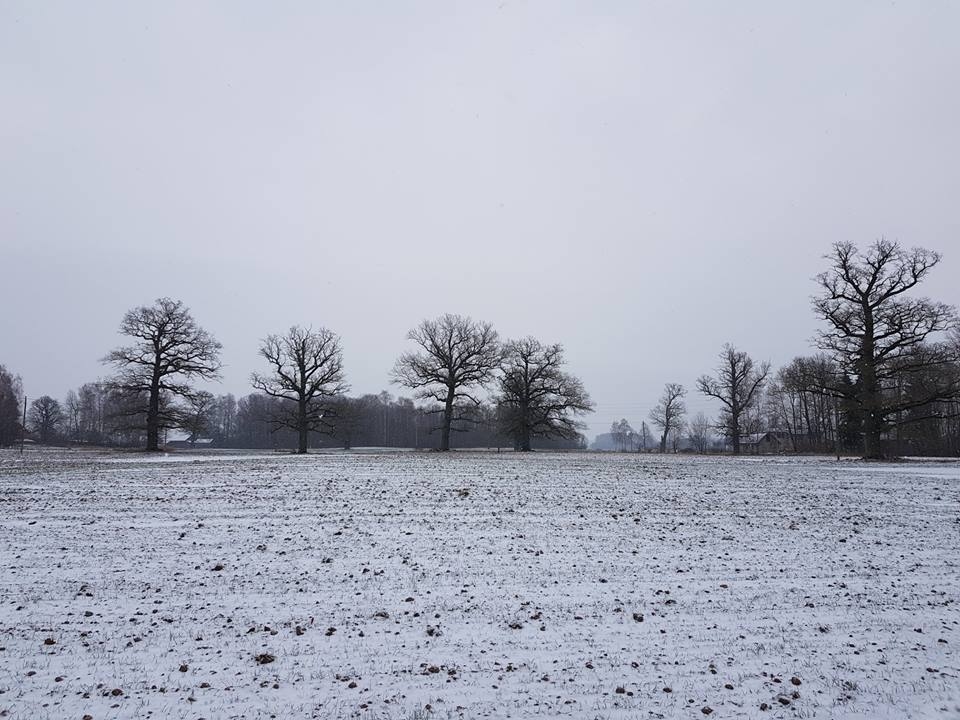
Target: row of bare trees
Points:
(467, 376)
(737, 385)
(887, 378)
(45, 415)
(696, 434)
(456, 358)
(455, 362)
(93, 414)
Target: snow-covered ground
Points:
(415, 585)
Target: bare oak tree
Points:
(46, 418)
(456, 357)
(537, 398)
(306, 370)
(878, 335)
(737, 386)
(668, 413)
(171, 349)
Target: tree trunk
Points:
(153, 416)
(871, 439)
(870, 394)
(525, 425)
(447, 421)
(872, 449)
(302, 427)
(735, 431)
(525, 439)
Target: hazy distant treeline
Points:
(93, 415)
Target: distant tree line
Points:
(93, 415)
(886, 381)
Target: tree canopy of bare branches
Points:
(198, 415)
(537, 398)
(801, 403)
(46, 418)
(699, 432)
(306, 371)
(737, 386)
(879, 336)
(622, 434)
(668, 413)
(170, 350)
(456, 357)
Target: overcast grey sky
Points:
(641, 182)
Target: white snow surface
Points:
(476, 585)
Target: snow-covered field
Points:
(409, 585)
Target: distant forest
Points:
(93, 415)
(885, 381)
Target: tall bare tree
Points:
(737, 386)
(537, 398)
(457, 356)
(171, 350)
(93, 401)
(643, 437)
(46, 418)
(877, 334)
(668, 413)
(306, 371)
(699, 432)
(72, 411)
